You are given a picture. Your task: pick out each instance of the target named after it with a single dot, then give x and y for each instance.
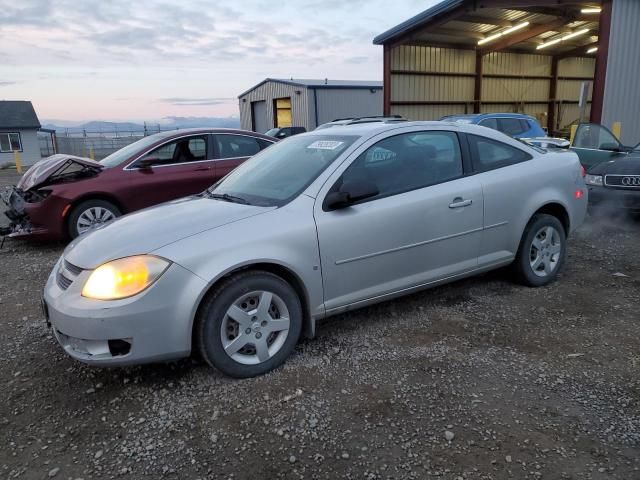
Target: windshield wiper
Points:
(227, 198)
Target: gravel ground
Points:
(480, 379)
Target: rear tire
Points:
(542, 251)
(249, 324)
(89, 214)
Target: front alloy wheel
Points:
(90, 214)
(249, 324)
(255, 327)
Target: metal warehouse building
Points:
(306, 103)
(528, 56)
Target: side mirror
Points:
(349, 193)
(613, 147)
(147, 163)
(281, 135)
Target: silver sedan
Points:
(318, 224)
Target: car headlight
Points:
(124, 277)
(593, 180)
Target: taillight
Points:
(583, 171)
(578, 194)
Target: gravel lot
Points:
(480, 379)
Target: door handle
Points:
(458, 202)
(201, 169)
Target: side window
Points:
(511, 126)
(183, 150)
(595, 136)
(407, 162)
(263, 143)
(232, 146)
(490, 154)
(490, 123)
(10, 142)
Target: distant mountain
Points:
(167, 123)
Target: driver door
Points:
(424, 224)
(175, 169)
(595, 144)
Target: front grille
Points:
(67, 274)
(71, 268)
(622, 181)
(63, 282)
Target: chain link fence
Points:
(95, 145)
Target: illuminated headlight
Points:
(593, 180)
(124, 277)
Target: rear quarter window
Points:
(489, 154)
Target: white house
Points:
(19, 127)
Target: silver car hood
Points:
(147, 230)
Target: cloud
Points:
(190, 102)
(357, 60)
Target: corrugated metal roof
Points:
(465, 31)
(17, 114)
(319, 83)
(427, 15)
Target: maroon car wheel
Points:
(89, 214)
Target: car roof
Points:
(189, 131)
(369, 130)
(472, 116)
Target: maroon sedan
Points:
(64, 196)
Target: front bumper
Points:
(614, 198)
(42, 219)
(154, 325)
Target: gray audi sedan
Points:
(318, 224)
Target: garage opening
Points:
(259, 121)
(512, 56)
(282, 110)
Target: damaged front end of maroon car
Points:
(26, 202)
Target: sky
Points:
(80, 60)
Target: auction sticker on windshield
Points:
(325, 144)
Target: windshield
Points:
(119, 156)
(278, 174)
(272, 132)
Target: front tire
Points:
(542, 251)
(249, 325)
(90, 214)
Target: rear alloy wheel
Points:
(249, 325)
(542, 251)
(90, 214)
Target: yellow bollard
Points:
(16, 157)
(616, 129)
(91, 154)
(573, 133)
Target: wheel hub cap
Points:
(93, 217)
(255, 327)
(545, 251)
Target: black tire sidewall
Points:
(523, 266)
(81, 207)
(215, 308)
